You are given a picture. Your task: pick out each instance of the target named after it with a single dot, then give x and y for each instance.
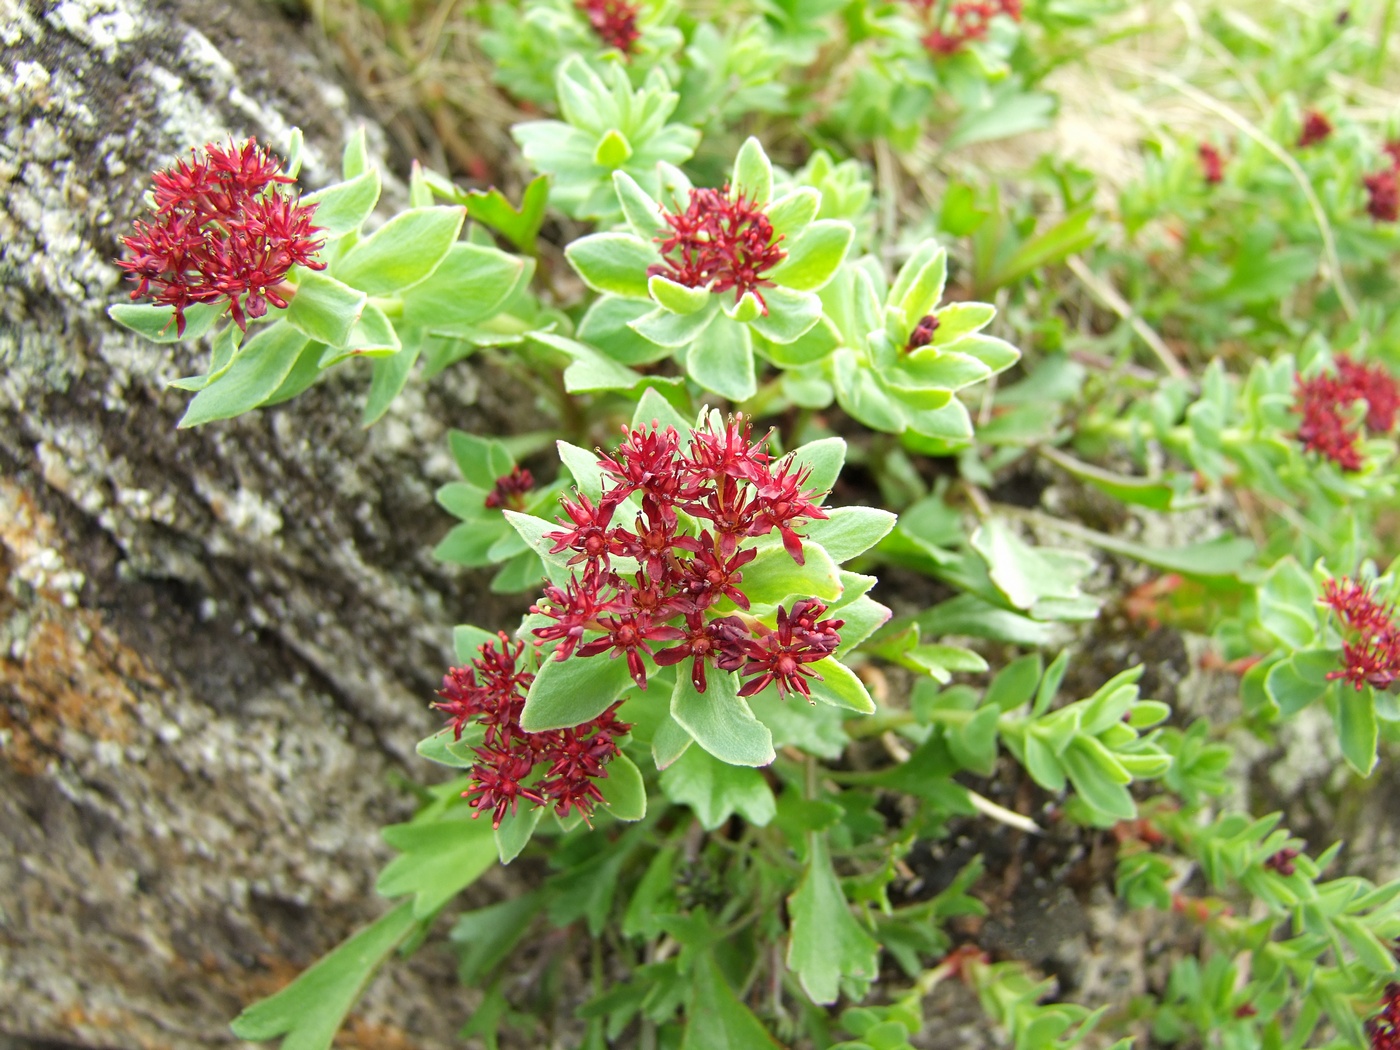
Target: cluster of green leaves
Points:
(1312, 949)
(382, 297)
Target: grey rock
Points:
(217, 647)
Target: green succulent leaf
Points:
(438, 859)
(814, 255)
(258, 369)
(469, 286)
(753, 173)
(566, 693)
(324, 309)
(403, 251)
(718, 1020)
(615, 263)
(719, 720)
(345, 206)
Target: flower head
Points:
(614, 21)
(224, 229)
(660, 581)
(491, 691)
(922, 334)
(1384, 1027)
(1371, 655)
(511, 490)
(1383, 195)
(964, 22)
(1212, 163)
(1316, 128)
(780, 656)
(1283, 862)
(721, 241)
(1325, 404)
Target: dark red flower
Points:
(722, 242)
(492, 691)
(615, 22)
(1316, 128)
(1373, 661)
(1322, 402)
(714, 573)
(627, 635)
(783, 505)
(730, 452)
(1374, 385)
(1383, 195)
(1325, 401)
(722, 478)
(575, 608)
(780, 656)
(1384, 1028)
(590, 537)
(655, 542)
(964, 22)
(722, 640)
(922, 334)
(1282, 862)
(1372, 655)
(1359, 611)
(511, 490)
(646, 459)
(1212, 163)
(223, 229)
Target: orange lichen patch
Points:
(101, 1023)
(64, 670)
(359, 1034)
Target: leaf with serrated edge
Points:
(309, 1011)
(827, 943)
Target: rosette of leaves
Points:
(891, 357)
(607, 127)
(714, 326)
(380, 297)
(527, 42)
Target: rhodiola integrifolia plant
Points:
(732, 756)
(651, 593)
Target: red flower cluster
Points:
(1316, 128)
(1212, 163)
(726, 482)
(1383, 187)
(964, 22)
(511, 490)
(1325, 401)
(721, 241)
(223, 228)
(1383, 195)
(492, 691)
(615, 22)
(1384, 1028)
(1283, 862)
(1372, 657)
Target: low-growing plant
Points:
(743, 701)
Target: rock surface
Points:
(216, 646)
